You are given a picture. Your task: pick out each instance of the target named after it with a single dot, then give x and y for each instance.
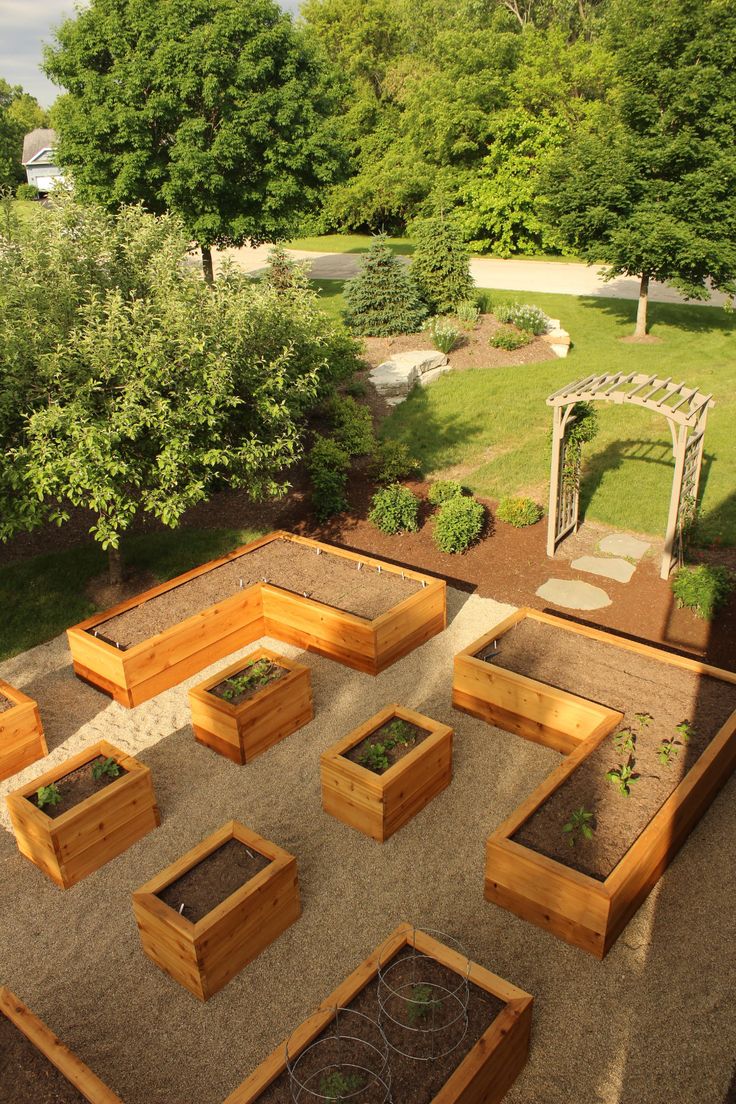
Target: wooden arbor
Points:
(686, 411)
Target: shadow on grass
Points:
(683, 316)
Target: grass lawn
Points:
(359, 243)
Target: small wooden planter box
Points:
(205, 956)
(98, 829)
(22, 741)
(582, 910)
(43, 1039)
(484, 1075)
(240, 732)
(134, 675)
(379, 804)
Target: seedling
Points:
(685, 730)
(623, 777)
(398, 733)
(255, 676)
(667, 751)
(338, 1086)
(644, 719)
(624, 741)
(105, 768)
(580, 825)
(374, 757)
(421, 1004)
(48, 795)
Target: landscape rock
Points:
(395, 378)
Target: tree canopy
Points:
(20, 113)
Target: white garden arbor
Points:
(686, 411)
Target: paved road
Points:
(511, 275)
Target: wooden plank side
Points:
(22, 739)
(410, 624)
(319, 628)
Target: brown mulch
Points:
(213, 880)
(76, 787)
(26, 1077)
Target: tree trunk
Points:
(641, 310)
(207, 268)
(114, 566)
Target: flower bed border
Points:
(22, 739)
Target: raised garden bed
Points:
(385, 771)
(207, 915)
(86, 821)
(482, 1067)
(36, 1067)
(22, 741)
(252, 704)
(646, 757)
(354, 609)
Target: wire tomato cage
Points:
(348, 1061)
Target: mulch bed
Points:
(631, 684)
(213, 880)
(418, 735)
(224, 689)
(5, 704)
(76, 787)
(26, 1077)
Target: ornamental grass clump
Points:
(525, 316)
(395, 510)
(519, 512)
(445, 336)
(458, 524)
(703, 588)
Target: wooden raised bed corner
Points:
(85, 837)
(206, 955)
(242, 731)
(485, 1073)
(53, 1050)
(22, 741)
(379, 804)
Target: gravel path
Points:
(654, 1023)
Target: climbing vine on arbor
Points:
(582, 429)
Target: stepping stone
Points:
(620, 570)
(619, 544)
(573, 594)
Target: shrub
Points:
(443, 490)
(392, 461)
(468, 313)
(26, 191)
(519, 512)
(458, 524)
(283, 273)
(527, 317)
(395, 510)
(356, 388)
(328, 466)
(484, 301)
(702, 589)
(383, 300)
(444, 335)
(353, 425)
(509, 339)
(441, 264)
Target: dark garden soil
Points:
(76, 787)
(379, 736)
(226, 690)
(412, 1081)
(325, 577)
(631, 684)
(5, 703)
(26, 1077)
(213, 880)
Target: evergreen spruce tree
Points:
(441, 264)
(383, 299)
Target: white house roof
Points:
(39, 141)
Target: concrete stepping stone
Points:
(620, 544)
(573, 594)
(620, 570)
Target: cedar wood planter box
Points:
(582, 910)
(134, 675)
(205, 956)
(486, 1072)
(379, 804)
(91, 833)
(240, 732)
(43, 1039)
(22, 741)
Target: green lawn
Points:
(359, 243)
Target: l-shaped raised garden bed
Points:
(22, 741)
(484, 1063)
(650, 739)
(351, 608)
(36, 1067)
(83, 821)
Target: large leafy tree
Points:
(651, 188)
(215, 110)
(19, 113)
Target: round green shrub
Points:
(383, 299)
(458, 524)
(519, 512)
(509, 339)
(328, 465)
(392, 461)
(443, 490)
(395, 510)
(26, 191)
(702, 589)
(353, 425)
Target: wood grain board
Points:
(22, 740)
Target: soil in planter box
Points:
(326, 577)
(412, 1081)
(76, 787)
(385, 737)
(26, 1076)
(5, 703)
(633, 684)
(211, 881)
(227, 689)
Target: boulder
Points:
(395, 378)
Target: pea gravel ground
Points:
(653, 1024)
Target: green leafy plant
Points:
(421, 1003)
(337, 1086)
(685, 730)
(643, 719)
(484, 301)
(582, 428)
(375, 757)
(48, 795)
(444, 335)
(458, 524)
(26, 191)
(383, 300)
(328, 465)
(105, 768)
(519, 512)
(467, 313)
(443, 490)
(254, 677)
(624, 741)
(440, 265)
(356, 388)
(352, 424)
(393, 461)
(508, 339)
(667, 751)
(394, 509)
(623, 777)
(397, 733)
(524, 316)
(579, 826)
(703, 588)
